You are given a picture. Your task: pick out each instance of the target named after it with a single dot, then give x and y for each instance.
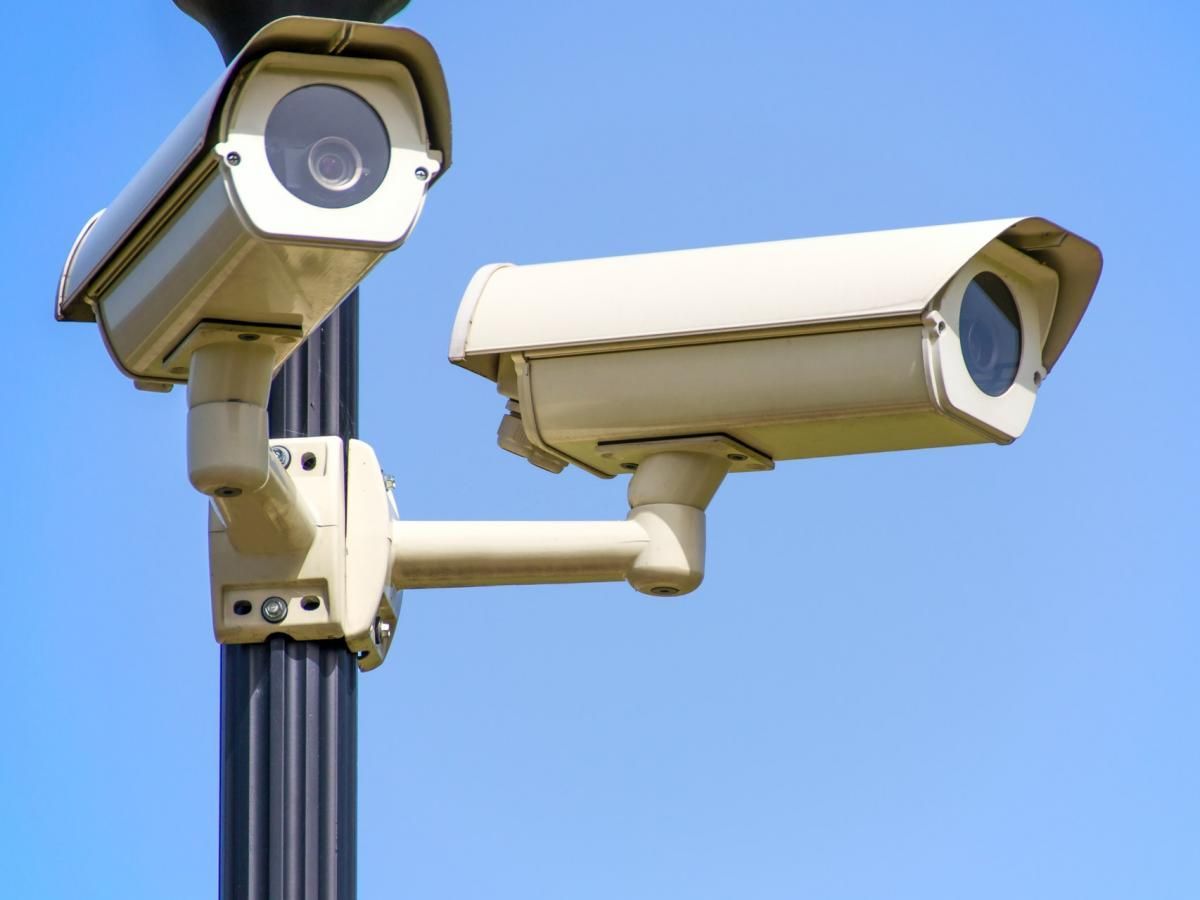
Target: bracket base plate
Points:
(630, 454)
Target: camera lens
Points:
(335, 164)
(327, 146)
(989, 329)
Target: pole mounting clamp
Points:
(336, 587)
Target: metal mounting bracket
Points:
(741, 458)
(337, 587)
(279, 337)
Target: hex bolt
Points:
(283, 455)
(274, 610)
(422, 173)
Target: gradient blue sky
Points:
(938, 674)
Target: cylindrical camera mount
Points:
(233, 22)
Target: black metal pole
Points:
(289, 709)
(289, 751)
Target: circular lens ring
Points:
(989, 330)
(327, 146)
(337, 149)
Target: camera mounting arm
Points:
(658, 549)
(344, 582)
(228, 455)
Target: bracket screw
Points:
(233, 158)
(274, 610)
(422, 173)
(283, 455)
(381, 631)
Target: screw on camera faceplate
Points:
(283, 455)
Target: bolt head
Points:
(422, 173)
(274, 609)
(283, 455)
(233, 158)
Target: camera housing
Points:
(302, 166)
(889, 340)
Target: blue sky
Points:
(938, 674)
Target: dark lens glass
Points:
(327, 146)
(333, 167)
(335, 164)
(989, 329)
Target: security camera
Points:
(302, 166)
(297, 171)
(682, 367)
(891, 340)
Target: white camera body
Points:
(208, 243)
(833, 345)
